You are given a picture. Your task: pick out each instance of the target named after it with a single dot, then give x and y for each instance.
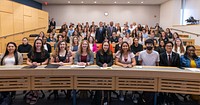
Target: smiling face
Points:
(136, 40)
(105, 46)
(62, 46)
(178, 42)
(75, 40)
(191, 51)
(168, 47)
(125, 47)
(91, 40)
(11, 48)
(84, 45)
(38, 44)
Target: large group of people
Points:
(134, 45)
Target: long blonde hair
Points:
(80, 50)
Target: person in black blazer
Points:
(111, 29)
(100, 33)
(173, 60)
(104, 57)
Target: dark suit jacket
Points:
(110, 32)
(105, 58)
(100, 35)
(175, 59)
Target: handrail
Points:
(185, 32)
(21, 32)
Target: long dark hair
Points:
(7, 52)
(186, 54)
(109, 52)
(34, 49)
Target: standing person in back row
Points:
(111, 29)
(52, 23)
(100, 33)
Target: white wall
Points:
(144, 14)
(170, 13)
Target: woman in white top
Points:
(178, 47)
(128, 39)
(124, 57)
(11, 56)
(92, 32)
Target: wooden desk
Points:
(154, 79)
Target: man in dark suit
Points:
(111, 29)
(100, 33)
(172, 59)
(169, 58)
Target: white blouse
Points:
(9, 61)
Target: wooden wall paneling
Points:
(6, 23)
(0, 45)
(18, 17)
(0, 25)
(18, 39)
(5, 41)
(27, 18)
(27, 23)
(35, 18)
(27, 11)
(6, 6)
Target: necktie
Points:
(169, 60)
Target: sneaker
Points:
(121, 98)
(105, 103)
(135, 101)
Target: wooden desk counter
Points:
(156, 79)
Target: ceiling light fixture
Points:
(115, 2)
(128, 2)
(82, 2)
(68, 1)
(95, 2)
(142, 2)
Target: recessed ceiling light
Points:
(82, 2)
(115, 2)
(68, 1)
(95, 2)
(128, 2)
(142, 2)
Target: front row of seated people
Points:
(104, 57)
